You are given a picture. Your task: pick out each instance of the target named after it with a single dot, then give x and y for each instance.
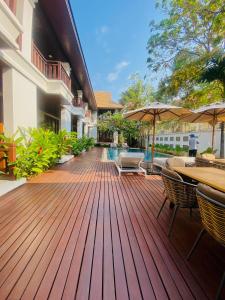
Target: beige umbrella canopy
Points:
(211, 114)
(156, 112)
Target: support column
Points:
(19, 101)
(65, 119)
(79, 128)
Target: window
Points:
(171, 138)
(161, 138)
(178, 138)
(185, 138)
(157, 138)
(166, 138)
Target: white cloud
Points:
(123, 64)
(104, 29)
(112, 76)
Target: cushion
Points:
(211, 193)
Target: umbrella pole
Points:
(213, 135)
(153, 139)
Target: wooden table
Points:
(210, 176)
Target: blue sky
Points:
(114, 36)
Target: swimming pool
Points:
(113, 153)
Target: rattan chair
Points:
(212, 210)
(219, 165)
(181, 194)
(203, 162)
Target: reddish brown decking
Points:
(81, 232)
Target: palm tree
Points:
(215, 71)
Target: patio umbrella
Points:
(211, 114)
(156, 112)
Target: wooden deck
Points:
(81, 232)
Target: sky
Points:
(114, 37)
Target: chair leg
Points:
(222, 282)
(172, 220)
(200, 235)
(164, 202)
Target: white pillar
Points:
(19, 101)
(79, 128)
(65, 119)
(24, 13)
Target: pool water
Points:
(113, 153)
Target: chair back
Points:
(212, 209)
(130, 159)
(209, 156)
(179, 192)
(174, 162)
(218, 165)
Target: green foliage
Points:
(82, 144)
(191, 29)
(64, 141)
(183, 42)
(116, 123)
(138, 94)
(177, 151)
(209, 150)
(38, 149)
(36, 153)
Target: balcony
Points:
(10, 27)
(53, 70)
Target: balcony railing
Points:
(12, 5)
(51, 69)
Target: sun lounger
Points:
(129, 162)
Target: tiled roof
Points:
(104, 100)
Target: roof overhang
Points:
(61, 18)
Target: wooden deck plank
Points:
(81, 232)
(43, 277)
(171, 258)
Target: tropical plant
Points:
(82, 144)
(215, 72)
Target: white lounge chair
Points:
(130, 162)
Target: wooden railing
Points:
(12, 5)
(51, 69)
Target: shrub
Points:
(82, 144)
(177, 151)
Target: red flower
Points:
(40, 151)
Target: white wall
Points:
(204, 138)
(19, 101)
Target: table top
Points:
(210, 176)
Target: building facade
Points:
(105, 104)
(43, 74)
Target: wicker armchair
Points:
(212, 210)
(219, 165)
(178, 192)
(203, 162)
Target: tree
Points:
(182, 43)
(192, 31)
(130, 130)
(138, 94)
(215, 72)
